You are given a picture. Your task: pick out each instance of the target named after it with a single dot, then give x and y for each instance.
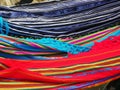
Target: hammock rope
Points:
(4, 24)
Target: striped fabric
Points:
(33, 21)
(65, 45)
(47, 48)
(99, 65)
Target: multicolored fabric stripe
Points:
(47, 48)
(99, 65)
(75, 45)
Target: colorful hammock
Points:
(98, 65)
(84, 53)
(48, 48)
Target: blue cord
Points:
(3, 24)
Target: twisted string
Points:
(4, 25)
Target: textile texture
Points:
(63, 45)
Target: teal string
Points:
(6, 27)
(4, 24)
(1, 25)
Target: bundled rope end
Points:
(4, 27)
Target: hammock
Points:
(94, 67)
(12, 47)
(65, 45)
(87, 21)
